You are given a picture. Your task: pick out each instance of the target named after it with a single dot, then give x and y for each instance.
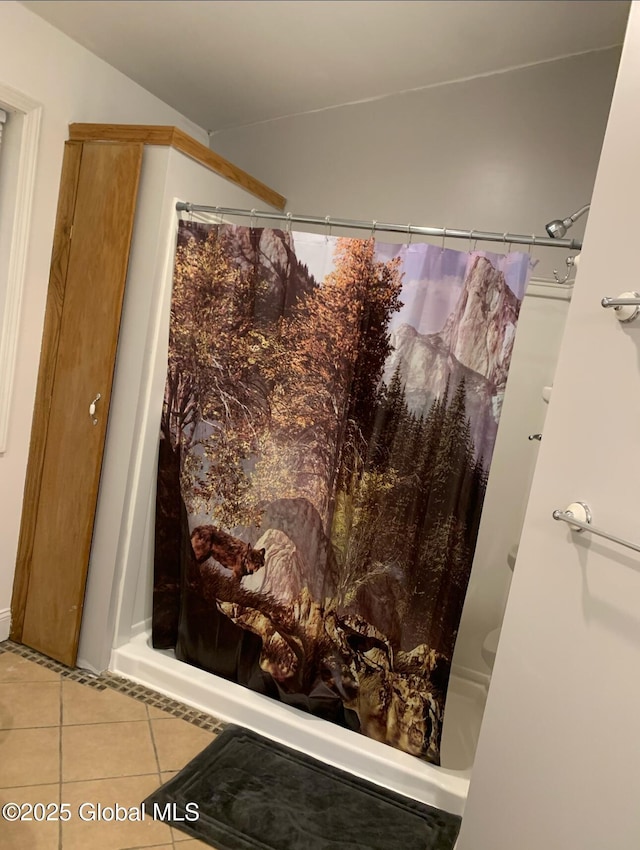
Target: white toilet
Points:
(490, 644)
(490, 647)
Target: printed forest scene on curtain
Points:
(330, 412)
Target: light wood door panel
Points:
(96, 275)
(50, 340)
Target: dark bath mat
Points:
(255, 794)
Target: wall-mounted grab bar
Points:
(578, 517)
(626, 306)
(620, 302)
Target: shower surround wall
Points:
(476, 154)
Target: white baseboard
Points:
(5, 623)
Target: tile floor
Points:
(64, 741)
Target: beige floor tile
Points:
(13, 668)
(179, 837)
(127, 792)
(107, 750)
(83, 704)
(24, 704)
(33, 834)
(177, 742)
(29, 756)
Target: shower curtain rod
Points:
(376, 226)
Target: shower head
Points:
(558, 228)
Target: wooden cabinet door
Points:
(88, 277)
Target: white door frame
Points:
(15, 101)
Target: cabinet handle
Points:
(92, 409)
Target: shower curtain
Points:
(329, 417)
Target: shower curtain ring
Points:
(373, 230)
(444, 236)
(532, 243)
(254, 219)
(289, 217)
(328, 223)
(410, 232)
(471, 232)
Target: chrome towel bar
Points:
(626, 306)
(620, 302)
(578, 517)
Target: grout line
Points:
(153, 743)
(76, 781)
(4, 788)
(69, 725)
(29, 681)
(105, 722)
(109, 779)
(155, 750)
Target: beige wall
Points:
(72, 85)
(505, 152)
(558, 763)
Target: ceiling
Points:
(229, 63)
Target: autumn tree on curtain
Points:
(331, 353)
(216, 395)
